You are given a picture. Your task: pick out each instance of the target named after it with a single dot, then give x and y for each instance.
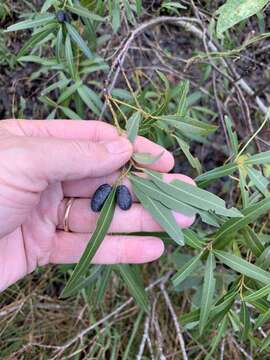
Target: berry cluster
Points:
(123, 197)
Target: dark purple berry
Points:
(62, 16)
(100, 197)
(123, 197)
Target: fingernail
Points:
(153, 249)
(118, 146)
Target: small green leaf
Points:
(221, 333)
(103, 283)
(264, 291)
(91, 99)
(258, 159)
(69, 92)
(244, 316)
(216, 173)
(29, 24)
(69, 113)
(134, 285)
(208, 292)
(76, 37)
(133, 125)
(182, 98)
(194, 162)
(186, 270)
(35, 40)
(262, 319)
(243, 267)
(103, 223)
(161, 214)
(252, 241)
(146, 158)
(59, 44)
(84, 13)
(232, 136)
(193, 196)
(260, 182)
(70, 59)
(231, 226)
(265, 343)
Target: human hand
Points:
(43, 163)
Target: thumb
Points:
(55, 159)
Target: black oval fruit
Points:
(62, 16)
(123, 197)
(100, 197)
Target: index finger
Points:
(91, 130)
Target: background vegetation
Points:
(196, 74)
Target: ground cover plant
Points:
(192, 76)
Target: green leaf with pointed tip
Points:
(208, 292)
(193, 195)
(29, 24)
(146, 158)
(194, 162)
(182, 98)
(102, 226)
(216, 173)
(59, 44)
(221, 333)
(84, 13)
(133, 125)
(90, 98)
(224, 235)
(35, 40)
(264, 291)
(69, 92)
(70, 59)
(262, 319)
(134, 285)
(258, 159)
(154, 192)
(186, 270)
(243, 267)
(259, 181)
(76, 37)
(265, 344)
(252, 241)
(102, 284)
(244, 316)
(69, 113)
(161, 214)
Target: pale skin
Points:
(43, 164)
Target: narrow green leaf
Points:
(69, 92)
(154, 192)
(265, 343)
(186, 270)
(29, 24)
(194, 162)
(243, 188)
(47, 4)
(134, 285)
(243, 267)
(260, 182)
(132, 338)
(187, 125)
(244, 316)
(103, 283)
(35, 40)
(264, 291)
(133, 125)
(193, 196)
(232, 136)
(69, 113)
(61, 84)
(59, 44)
(91, 99)
(193, 240)
(217, 173)
(258, 159)
(231, 226)
(262, 319)
(102, 226)
(146, 158)
(76, 37)
(38, 60)
(85, 281)
(216, 340)
(182, 98)
(208, 292)
(161, 214)
(252, 241)
(84, 13)
(70, 59)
